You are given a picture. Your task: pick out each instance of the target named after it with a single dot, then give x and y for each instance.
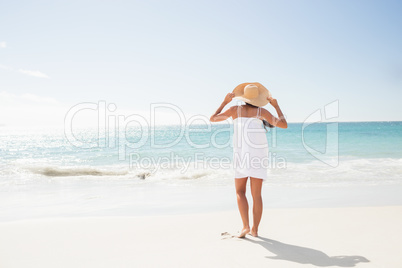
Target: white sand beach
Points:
(297, 237)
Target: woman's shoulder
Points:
(233, 110)
(264, 110)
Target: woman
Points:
(250, 146)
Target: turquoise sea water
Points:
(27, 151)
(44, 170)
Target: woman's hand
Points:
(273, 101)
(228, 97)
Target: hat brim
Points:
(259, 101)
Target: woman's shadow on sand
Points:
(305, 255)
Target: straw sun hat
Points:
(252, 93)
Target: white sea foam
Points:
(378, 171)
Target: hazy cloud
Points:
(33, 73)
(26, 72)
(3, 44)
(30, 110)
(5, 67)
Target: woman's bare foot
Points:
(253, 233)
(243, 232)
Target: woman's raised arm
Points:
(218, 116)
(278, 122)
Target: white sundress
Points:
(250, 146)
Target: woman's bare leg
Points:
(242, 204)
(256, 186)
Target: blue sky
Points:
(55, 54)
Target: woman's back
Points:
(248, 111)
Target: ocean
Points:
(57, 172)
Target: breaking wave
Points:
(75, 171)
